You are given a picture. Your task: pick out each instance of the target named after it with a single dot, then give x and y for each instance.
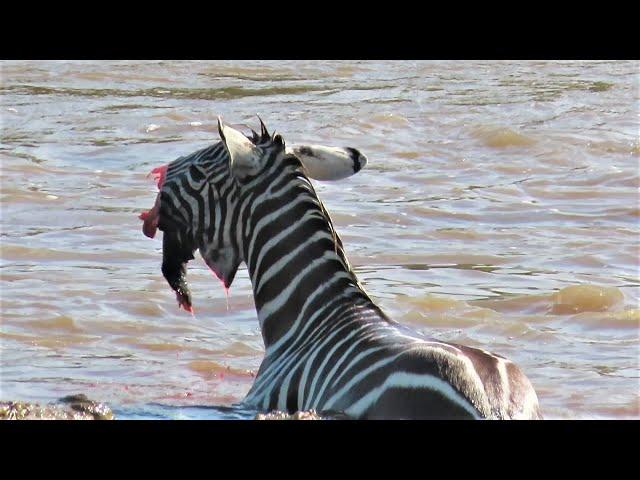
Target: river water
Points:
(499, 209)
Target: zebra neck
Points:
(295, 260)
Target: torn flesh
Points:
(151, 217)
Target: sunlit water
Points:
(499, 209)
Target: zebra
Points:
(328, 346)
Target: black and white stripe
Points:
(328, 346)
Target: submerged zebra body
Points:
(327, 345)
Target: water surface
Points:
(499, 209)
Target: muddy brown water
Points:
(499, 209)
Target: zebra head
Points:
(205, 198)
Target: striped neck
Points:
(294, 257)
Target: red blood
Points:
(188, 308)
(151, 217)
(226, 292)
(159, 174)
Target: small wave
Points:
(62, 323)
(501, 137)
(586, 298)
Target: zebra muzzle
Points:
(177, 247)
(175, 255)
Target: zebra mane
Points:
(339, 248)
(263, 136)
(259, 138)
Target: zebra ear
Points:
(263, 129)
(328, 163)
(244, 155)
